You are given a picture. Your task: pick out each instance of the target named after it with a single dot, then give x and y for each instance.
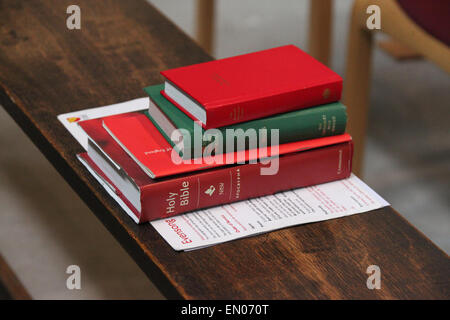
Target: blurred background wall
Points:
(44, 226)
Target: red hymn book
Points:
(251, 86)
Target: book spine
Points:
(232, 113)
(237, 183)
(311, 123)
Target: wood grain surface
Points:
(46, 70)
(10, 286)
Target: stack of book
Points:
(224, 131)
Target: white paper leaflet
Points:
(247, 218)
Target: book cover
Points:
(321, 121)
(110, 187)
(142, 141)
(100, 137)
(254, 85)
(160, 198)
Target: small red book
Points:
(150, 199)
(251, 86)
(143, 142)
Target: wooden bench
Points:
(10, 286)
(46, 70)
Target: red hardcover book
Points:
(251, 86)
(151, 199)
(137, 135)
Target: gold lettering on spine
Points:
(339, 170)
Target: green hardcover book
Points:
(315, 122)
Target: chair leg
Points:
(205, 24)
(356, 84)
(320, 19)
(398, 50)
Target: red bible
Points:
(251, 86)
(151, 199)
